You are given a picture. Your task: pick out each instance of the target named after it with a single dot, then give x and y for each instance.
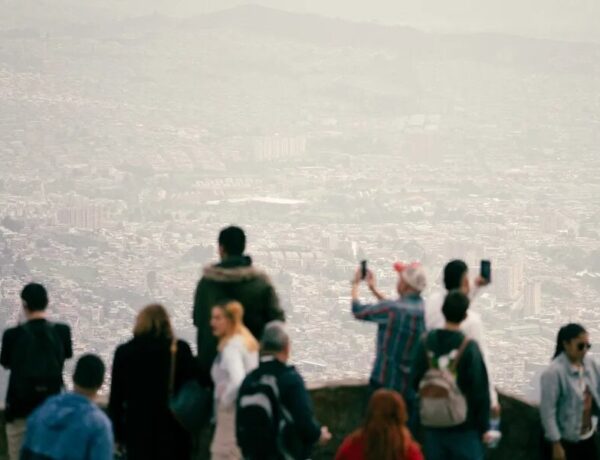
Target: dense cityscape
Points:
(126, 148)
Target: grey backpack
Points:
(442, 404)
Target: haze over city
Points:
(132, 132)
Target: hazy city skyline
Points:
(128, 139)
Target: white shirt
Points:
(472, 327)
(230, 368)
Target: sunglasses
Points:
(584, 346)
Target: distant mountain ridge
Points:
(402, 41)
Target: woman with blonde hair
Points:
(141, 376)
(237, 356)
(384, 435)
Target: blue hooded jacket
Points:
(68, 427)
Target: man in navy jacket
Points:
(305, 431)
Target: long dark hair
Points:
(566, 334)
(385, 433)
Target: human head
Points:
(456, 276)
(385, 429)
(573, 340)
(455, 307)
(275, 341)
(227, 320)
(153, 320)
(89, 375)
(232, 242)
(34, 297)
(411, 278)
(225, 317)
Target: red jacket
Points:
(353, 448)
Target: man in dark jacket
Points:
(440, 348)
(34, 352)
(234, 278)
(303, 431)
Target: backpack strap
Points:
(454, 365)
(173, 350)
(428, 352)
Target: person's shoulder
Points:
(62, 328)
(555, 367)
(413, 451)
(11, 332)
(291, 377)
(472, 346)
(354, 442)
(98, 418)
(125, 349)
(183, 345)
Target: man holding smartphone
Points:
(456, 276)
(400, 324)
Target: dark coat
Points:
(233, 279)
(305, 430)
(139, 395)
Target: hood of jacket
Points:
(234, 270)
(65, 410)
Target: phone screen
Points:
(363, 269)
(486, 270)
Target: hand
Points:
(325, 435)
(481, 282)
(119, 450)
(487, 438)
(558, 452)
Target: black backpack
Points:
(261, 419)
(38, 364)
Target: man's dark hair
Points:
(455, 307)
(453, 274)
(233, 240)
(89, 372)
(35, 296)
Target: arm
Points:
(197, 311)
(102, 444)
(273, 309)
(233, 362)
(186, 364)
(473, 378)
(420, 365)
(475, 329)
(377, 313)
(370, 283)
(68, 343)
(298, 403)
(5, 353)
(548, 403)
(116, 399)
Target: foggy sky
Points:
(556, 19)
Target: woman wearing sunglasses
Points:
(570, 397)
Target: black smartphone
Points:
(363, 269)
(486, 270)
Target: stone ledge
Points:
(340, 406)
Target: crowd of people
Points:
(430, 395)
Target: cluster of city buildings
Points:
(115, 184)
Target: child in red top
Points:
(384, 435)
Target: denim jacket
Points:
(561, 406)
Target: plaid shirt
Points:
(400, 324)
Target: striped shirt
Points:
(400, 324)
